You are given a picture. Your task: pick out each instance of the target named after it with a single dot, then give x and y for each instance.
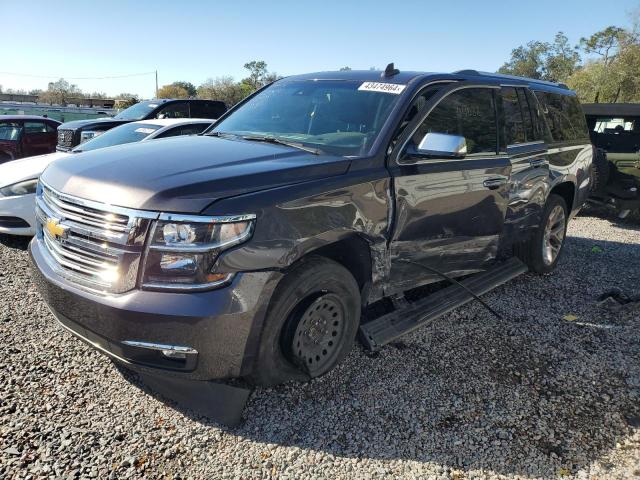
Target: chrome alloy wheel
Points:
(554, 232)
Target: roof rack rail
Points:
(467, 72)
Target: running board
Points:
(388, 327)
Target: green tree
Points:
(345, 69)
(554, 61)
(59, 92)
(225, 89)
(188, 86)
(125, 100)
(172, 91)
(257, 74)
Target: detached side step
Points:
(387, 328)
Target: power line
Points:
(78, 78)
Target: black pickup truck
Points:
(71, 134)
(322, 206)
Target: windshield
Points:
(136, 112)
(335, 116)
(127, 133)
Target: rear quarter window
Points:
(563, 116)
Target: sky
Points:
(196, 40)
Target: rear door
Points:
(37, 138)
(449, 213)
(523, 138)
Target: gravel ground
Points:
(553, 390)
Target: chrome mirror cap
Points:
(443, 144)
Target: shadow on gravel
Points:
(14, 241)
(535, 394)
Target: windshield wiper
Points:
(279, 141)
(221, 134)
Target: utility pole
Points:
(156, 83)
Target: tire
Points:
(311, 323)
(533, 251)
(600, 171)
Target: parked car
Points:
(615, 131)
(74, 133)
(323, 205)
(26, 135)
(18, 179)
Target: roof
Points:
(27, 117)
(612, 109)
(406, 77)
(168, 122)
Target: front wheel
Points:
(542, 251)
(311, 323)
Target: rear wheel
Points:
(542, 251)
(311, 323)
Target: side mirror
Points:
(442, 145)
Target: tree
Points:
(188, 86)
(225, 89)
(59, 92)
(125, 100)
(345, 69)
(257, 73)
(172, 91)
(562, 59)
(542, 60)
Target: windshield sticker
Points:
(394, 88)
(145, 130)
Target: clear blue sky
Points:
(194, 40)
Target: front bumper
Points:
(220, 328)
(22, 207)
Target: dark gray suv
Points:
(322, 206)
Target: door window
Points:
(35, 127)
(513, 122)
(207, 109)
(9, 131)
(174, 110)
(469, 113)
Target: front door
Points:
(449, 213)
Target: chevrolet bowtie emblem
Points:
(55, 229)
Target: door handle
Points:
(538, 162)
(495, 182)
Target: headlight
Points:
(183, 250)
(88, 135)
(21, 188)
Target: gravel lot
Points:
(539, 394)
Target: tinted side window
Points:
(51, 128)
(540, 130)
(207, 109)
(35, 127)
(469, 113)
(576, 116)
(563, 116)
(513, 123)
(193, 129)
(9, 130)
(526, 115)
(174, 110)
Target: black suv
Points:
(322, 206)
(74, 133)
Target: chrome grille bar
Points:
(97, 246)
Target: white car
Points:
(19, 178)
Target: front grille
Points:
(65, 138)
(94, 245)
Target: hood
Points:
(93, 122)
(27, 168)
(185, 174)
